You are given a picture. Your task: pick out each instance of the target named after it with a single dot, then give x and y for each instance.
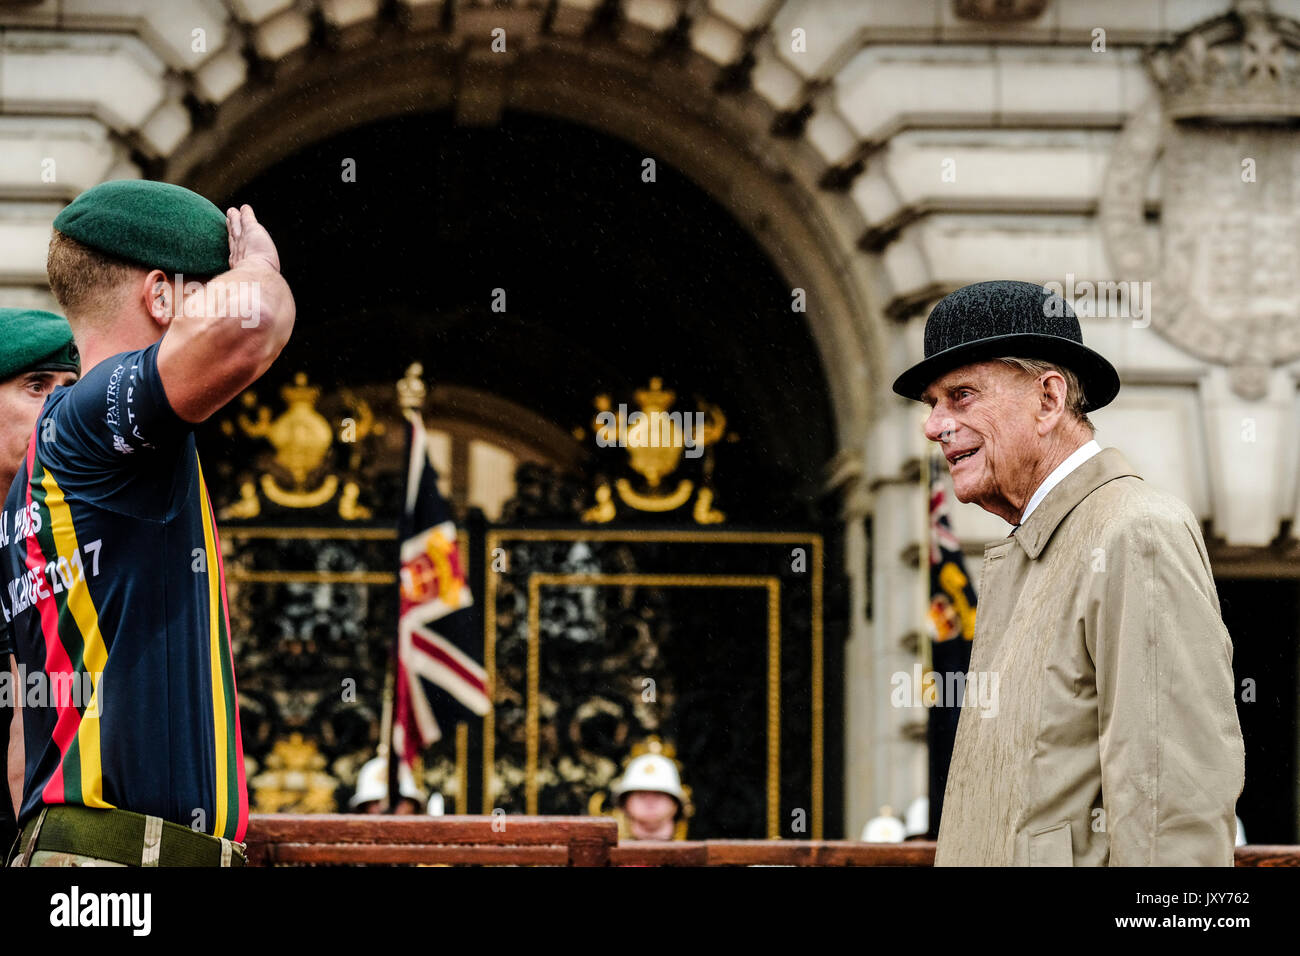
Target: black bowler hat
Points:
(1004, 319)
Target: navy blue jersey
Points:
(113, 580)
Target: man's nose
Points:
(939, 426)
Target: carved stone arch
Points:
(720, 141)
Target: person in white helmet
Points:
(651, 801)
(885, 828)
(916, 822)
(372, 787)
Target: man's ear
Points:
(1051, 399)
(159, 297)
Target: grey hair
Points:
(1074, 396)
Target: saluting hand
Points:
(249, 238)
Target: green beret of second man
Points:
(33, 340)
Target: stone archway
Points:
(756, 162)
(720, 145)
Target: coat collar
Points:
(1106, 465)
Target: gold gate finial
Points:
(410, 389)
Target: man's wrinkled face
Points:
(21, 398)
(983, 416)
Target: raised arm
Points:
(211, 352)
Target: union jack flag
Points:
(438, 677)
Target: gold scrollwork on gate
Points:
(302, 438)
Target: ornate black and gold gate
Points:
(605, 621)
(710, 639)
(633, 577)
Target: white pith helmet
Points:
(885, 828)
(917, 821)
(653, 772)
(372, 783)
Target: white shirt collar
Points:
(1077, 458)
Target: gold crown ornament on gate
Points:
(658, 440)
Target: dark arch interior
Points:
(608, 280)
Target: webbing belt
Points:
(121, 836)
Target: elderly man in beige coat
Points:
(1114, 739)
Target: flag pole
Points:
(462, 767)
(386, 721)
(386, 731)
(410, 398)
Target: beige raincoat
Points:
(1099, 724)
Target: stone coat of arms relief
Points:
(1221, 130)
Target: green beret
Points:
(156, 225)
(35, 341)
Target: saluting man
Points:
(39, 356)
(1115, 738)
(113, 566)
